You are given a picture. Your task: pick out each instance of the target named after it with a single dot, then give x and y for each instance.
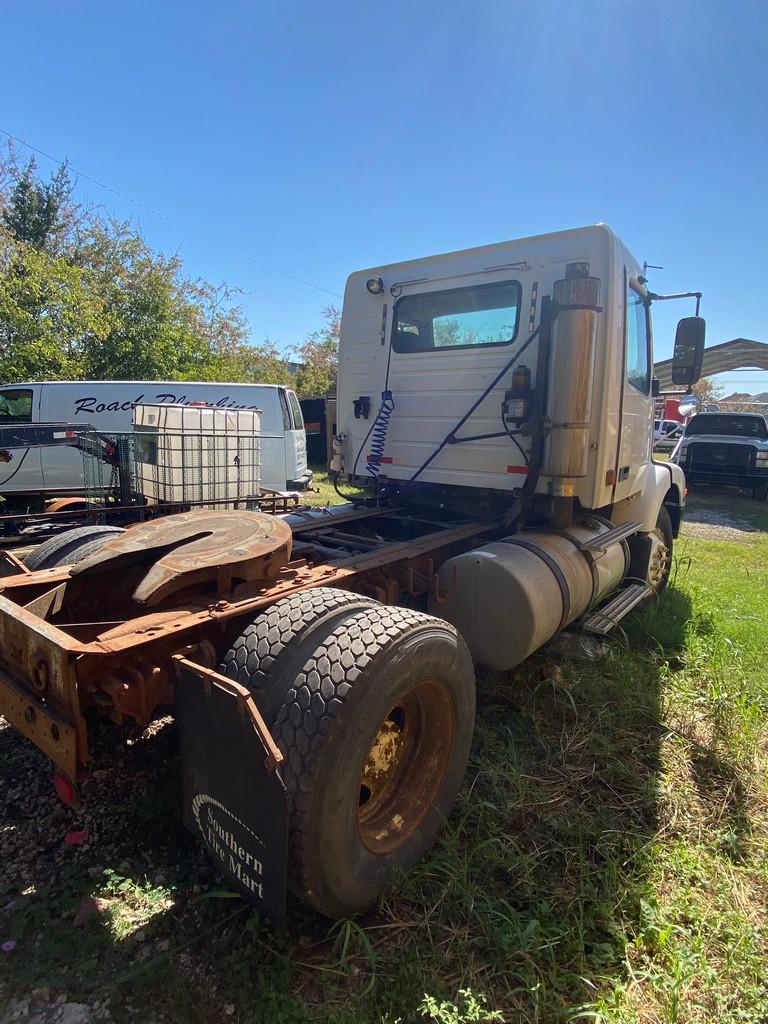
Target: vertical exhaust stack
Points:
(571, 374)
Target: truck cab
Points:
(515, 381)
(438, 334)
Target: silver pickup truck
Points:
(726, 448)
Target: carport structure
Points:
(738, 354)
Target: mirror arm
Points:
(677, 295)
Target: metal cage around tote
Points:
(203, 468)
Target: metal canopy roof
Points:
(729, 355)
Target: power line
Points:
(172, 220)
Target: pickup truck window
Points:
(16, 406)
(638, 360)
(485, 314)
(735, 426)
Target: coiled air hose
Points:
(378, 435)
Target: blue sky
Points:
(320, 138)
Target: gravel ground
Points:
(131, 826)
(714, 524)
(41, 1010)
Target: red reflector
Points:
(387, 458)
(517, 469)
(64, 788)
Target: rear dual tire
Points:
(375, 718)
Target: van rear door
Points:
(21, 404)
(299, 476)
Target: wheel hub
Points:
(383, 753)
(659, 560)
(405, 767)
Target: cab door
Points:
(637, 402)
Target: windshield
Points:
(739, 426)
(16, 406)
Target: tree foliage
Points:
(36, 212)
(84, 296)
(706, 390)
(319, 357)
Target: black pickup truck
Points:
(726, 448)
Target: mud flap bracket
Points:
(234, 797)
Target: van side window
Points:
(638, 342)
(298, 419)
(16, 406)
(284, 409)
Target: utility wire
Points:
(172, 220)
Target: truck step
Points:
(598, 544)
(605, 618)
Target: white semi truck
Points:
(497, 406)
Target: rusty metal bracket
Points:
(10, 565)
(246, 704)
(53, 733)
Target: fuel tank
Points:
(510, 597)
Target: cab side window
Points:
(638, 342)
(16, 406)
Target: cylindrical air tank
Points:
(571, 370)
(510, 597)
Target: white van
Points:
(108, 406)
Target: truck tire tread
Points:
(70, 547)
(316, 702)
(267, 654)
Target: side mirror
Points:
(689, 351)
(688, 406)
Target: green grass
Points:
(607, 860)
(323, 491)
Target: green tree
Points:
(318, 357)
(84, 296)
(707, 391)
(35, 212)
(152, 324)
(48, 309)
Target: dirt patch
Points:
(714, 524)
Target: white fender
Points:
(664, 484)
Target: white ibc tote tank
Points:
(197, 453)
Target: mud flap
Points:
(234, 797)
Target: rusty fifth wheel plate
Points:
(195, 547)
